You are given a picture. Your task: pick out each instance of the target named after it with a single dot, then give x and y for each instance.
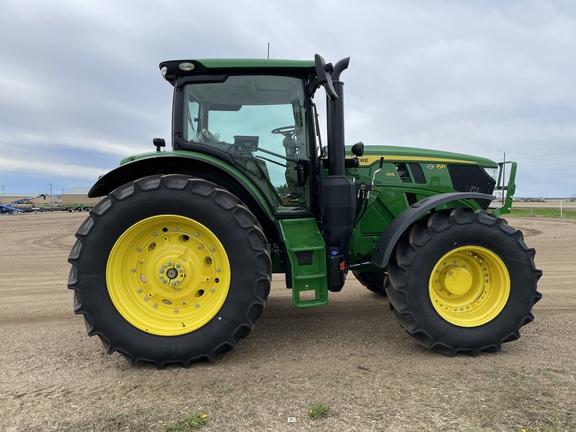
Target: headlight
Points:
(186, 67)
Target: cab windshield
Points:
(259, 121)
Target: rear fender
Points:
(385, 246)
(198, 166)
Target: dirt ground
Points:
(350, 355)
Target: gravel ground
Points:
(350, 355)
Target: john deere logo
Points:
(437, 166)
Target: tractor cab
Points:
(258, 122)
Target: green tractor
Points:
(174, 265)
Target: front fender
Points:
(385, 246)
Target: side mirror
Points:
(358, 149)
(323, 78)
(159, 143)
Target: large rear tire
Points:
(170, 269)
(463, 282)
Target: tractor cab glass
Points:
(260, 121)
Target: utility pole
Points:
(2, 194)
(50, 194)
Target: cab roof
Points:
(174, 69)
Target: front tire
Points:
(170, 269)
(463, 282)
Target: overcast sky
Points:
(80, 86)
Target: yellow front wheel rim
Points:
(168, 275)
(469, 286)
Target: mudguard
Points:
(201, 166)
(150, 164)
(389, 238)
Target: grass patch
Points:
(318, 410)
(543, 212)
(545, 428)
(187, 423)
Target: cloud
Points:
(80, 86)
(50, 169)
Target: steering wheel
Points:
(208, 136)
(287, 131)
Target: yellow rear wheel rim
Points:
(469, 286)
(168, 275)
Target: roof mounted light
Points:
(186, 67)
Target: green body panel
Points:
(307, 254)
(389, 196)
(408, 154)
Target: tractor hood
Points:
(372, 154)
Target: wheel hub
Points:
(172, 273)
(458, 280)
